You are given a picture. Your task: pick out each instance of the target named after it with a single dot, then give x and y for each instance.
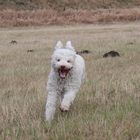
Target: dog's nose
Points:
(63, 67)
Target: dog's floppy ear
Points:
(58, 45)
(69, 46)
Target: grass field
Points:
(108, 104)
(64, 4)
(42, 17)
(19, 13)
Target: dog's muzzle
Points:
(63, 71)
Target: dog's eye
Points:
(58, 60)
(68, 61)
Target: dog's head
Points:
(63, 59)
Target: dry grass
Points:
(69, 16)
(64, 4)
(60, 12)
(108, 104)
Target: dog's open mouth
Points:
(63, 72)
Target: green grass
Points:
(108, 104)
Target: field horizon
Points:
(17, 13)
(62, 5)
(44, 17)
(108, 104)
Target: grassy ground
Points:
(108, 104)
(41, 17)
(64, 12)
(64, 4)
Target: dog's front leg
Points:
(51, 106)
(68, 99)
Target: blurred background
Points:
(51, 12)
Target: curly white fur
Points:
(61, 84)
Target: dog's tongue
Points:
(62, 75)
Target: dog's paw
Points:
(64, 108)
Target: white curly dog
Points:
(65, 78)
